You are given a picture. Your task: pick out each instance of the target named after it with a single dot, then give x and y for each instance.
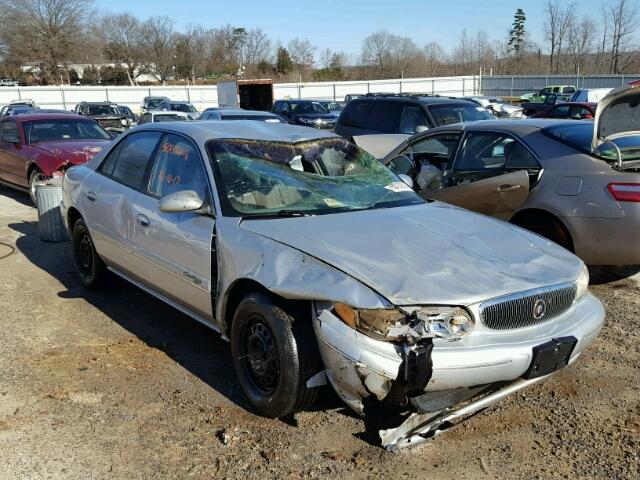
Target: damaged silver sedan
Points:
(320, 265)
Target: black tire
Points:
(274, 355)
(35, 177)
(89, 266)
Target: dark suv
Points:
(404, 114)
(304, 112)
(107, 114)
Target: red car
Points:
(570, 111)
(35, 147)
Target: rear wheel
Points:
(35, 177)
(547, 226)
(273, 355)
(89, 266)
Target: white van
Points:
(590, 94)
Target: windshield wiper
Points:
(279, 214)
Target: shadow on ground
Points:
(195, 347)
(19, 196)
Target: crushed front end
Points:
(431, 367)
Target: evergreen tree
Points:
(517, 34)
(283, 61)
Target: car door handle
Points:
(192, 277)
(507, 188)
(91, 196)
(143, 221)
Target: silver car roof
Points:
(519, 126)
(205, 130)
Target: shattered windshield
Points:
(258, 178)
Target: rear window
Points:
(355, 113)
(385, 116)
(168, 118)
(575, 135)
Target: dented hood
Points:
(617, 115)
(432, 253)
(76, 152)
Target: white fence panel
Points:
(67, 96)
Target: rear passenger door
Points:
(173, 250)
(109, 194)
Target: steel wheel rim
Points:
(85, 256)
(260, 356)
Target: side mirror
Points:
(421, 128)
(183, 201)
(406, 179)
(11, 138)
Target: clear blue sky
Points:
(342, 25)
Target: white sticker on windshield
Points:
(480, 109)
(332, 202)
(399, 187)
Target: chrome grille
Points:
(527, 308)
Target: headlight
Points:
(582, 283)
(451, 323)
(123, 122)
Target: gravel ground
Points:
(115, 384)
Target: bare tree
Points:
(191, 52)
(159, 46)
(623, 18)
(123, 43)
(257, 48)
(46, 31)
(581, 37)
(377, 50)
(434, 58)
(558, 20)
(302, 53)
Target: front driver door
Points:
(491, 174)
(174, 250)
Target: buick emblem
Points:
(539, 309)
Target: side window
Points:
(177, 167)
(413, 118)
(560, 112)
(146, 118)
(128, 162)
(355, 114)
(581, 113)
(385, 116)
(545, 91)
(438, 147)
(484, 152)
(10, 127)
(519, 158)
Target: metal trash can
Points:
(50, 224)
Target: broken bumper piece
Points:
(461, 377)
(421, 427)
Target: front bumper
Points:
(359, 366)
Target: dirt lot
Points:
(115, 384)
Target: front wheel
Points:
(35, 178)
(89, 266)
(273, 356)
